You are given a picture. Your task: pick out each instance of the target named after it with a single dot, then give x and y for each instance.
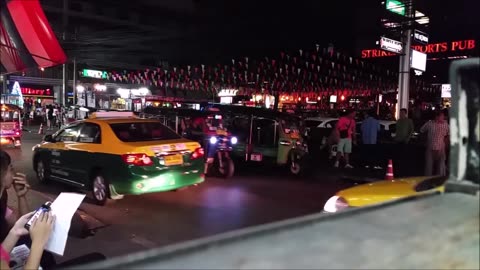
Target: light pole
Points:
(404, 66)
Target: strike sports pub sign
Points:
(447, 48)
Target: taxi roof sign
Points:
(111, 114)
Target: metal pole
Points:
(74, 84)
(63, 94)
(404, 66)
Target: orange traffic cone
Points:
(40, 130)
(389, 174)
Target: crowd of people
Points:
(434, 136)
(53, 115)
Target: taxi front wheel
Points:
(100, 188)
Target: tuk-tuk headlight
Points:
(234, 140)
(213, 140)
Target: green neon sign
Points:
(395, 6)
(97, 74)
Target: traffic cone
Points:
(389, 175)
(40, 130)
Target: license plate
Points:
(256, 157)
(221, 132)
(173, 160)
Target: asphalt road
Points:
(254, 196)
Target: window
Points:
(90, 133)
(143, 131)
(265, 132)
(69, 134)
(331, 124)
(312, 123)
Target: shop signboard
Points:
(96, 74)
(391, 45)
(420, 37)
(33, 90)
(446, 47)
(227, 92)
(395, 6)
(446, 91)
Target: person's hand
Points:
(19, 228)
(20, 184)
(41, 228)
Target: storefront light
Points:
(80, 88)
(100, 87)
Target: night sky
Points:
(214, 31)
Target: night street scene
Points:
(214, 134)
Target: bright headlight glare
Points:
(213, 140)
(234, 140)
(335, 204)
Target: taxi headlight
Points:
(335, 204)
(213, 140)
(234, 140)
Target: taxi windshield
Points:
(143, 131)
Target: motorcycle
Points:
(218, 146)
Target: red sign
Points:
(441, 47)
(27, 91)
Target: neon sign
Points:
(27, 91)
(441, 47)
(97, 74)
(227, 92)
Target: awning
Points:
(26, 35)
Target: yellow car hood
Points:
(381, 191)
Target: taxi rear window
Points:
(143, 131)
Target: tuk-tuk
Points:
(10, 125)
(268, 136)
(205, 127)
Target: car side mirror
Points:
(48, 138)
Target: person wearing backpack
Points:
(346, 130)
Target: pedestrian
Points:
(437, 132)
(401, 150)
(370, 128)
(346, 130)
(50, 117)
(404, 128)
(9, 178)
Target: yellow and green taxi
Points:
(383, 191)
(115, 153)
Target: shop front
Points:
(29, 95)
(111, 96)
(132, 99)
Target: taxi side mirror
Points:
(48, 138)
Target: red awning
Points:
(36, 33)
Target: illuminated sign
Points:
(227, 93)
(446, 91)
(418, 61)
(391, 45)
(420, 37)
(27, 91)
(441, 47)
(97, 74)
(31, 90)
(395, 7)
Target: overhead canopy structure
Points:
(26, 38)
